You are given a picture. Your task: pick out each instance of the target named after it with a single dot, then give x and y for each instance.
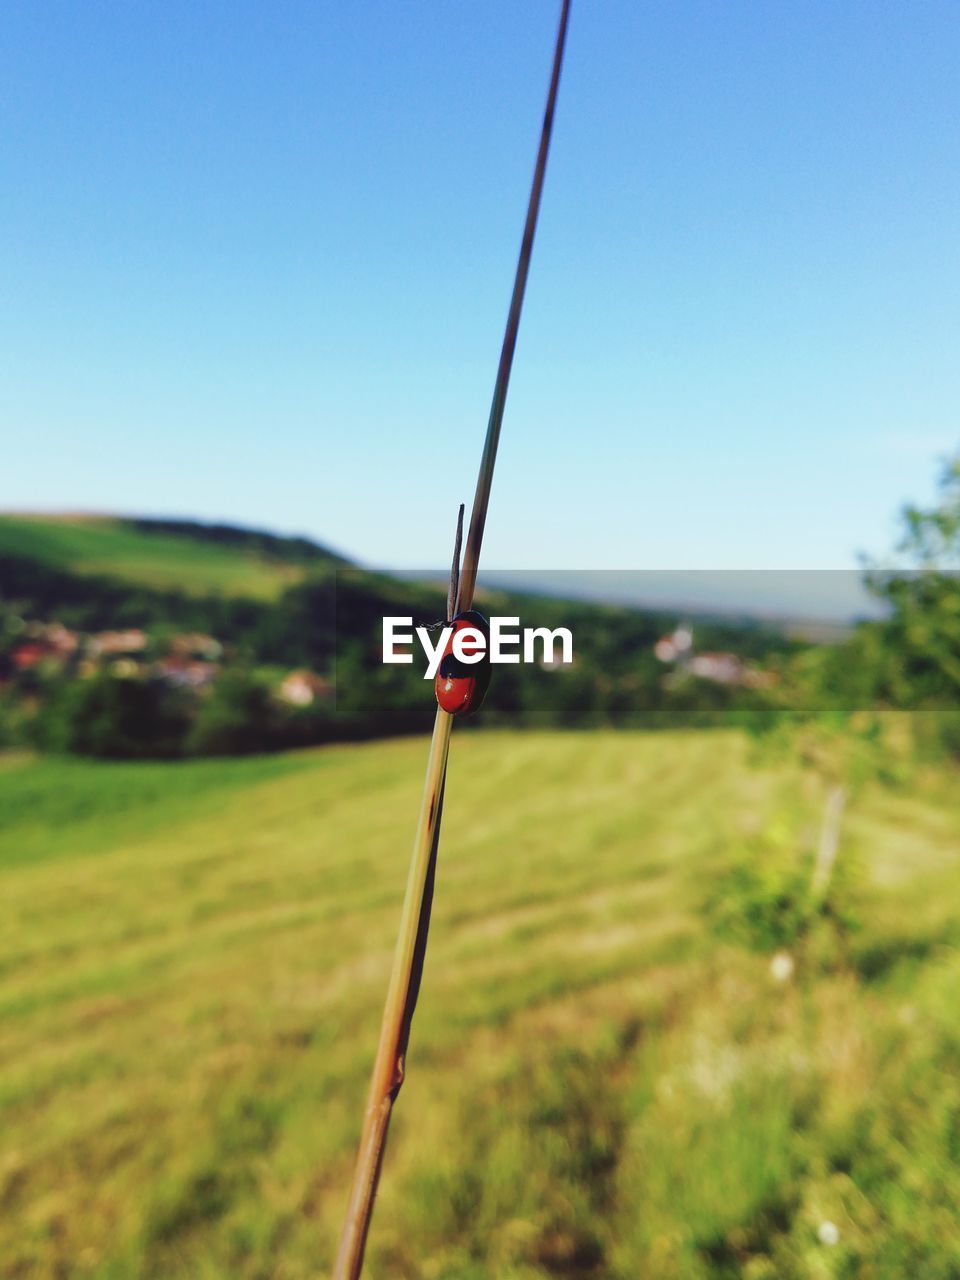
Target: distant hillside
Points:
(134, 602)
(182, 555)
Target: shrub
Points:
(763, 904)
(113, 718)
(237, 717)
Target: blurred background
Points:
(688, 1007)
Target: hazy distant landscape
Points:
(129, 638)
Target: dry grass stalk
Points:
(829, 843)
(405, 977)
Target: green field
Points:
(193, 962)
(101, 545)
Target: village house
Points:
(28, 655)
(186, 673)
(44, 642)
(722, 668)
(117, 643)
(302, 688)
(59, 640)
(674, 647)
(194, 644)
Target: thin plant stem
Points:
(478, 518)
(388, 1070)
(453, 591)
(389, 1065)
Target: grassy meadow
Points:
(101, 545)
(602, 1083)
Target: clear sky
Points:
(255, 262)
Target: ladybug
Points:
(461, 686)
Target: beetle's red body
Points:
(461, 686)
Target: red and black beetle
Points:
(461, 686)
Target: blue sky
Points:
(256, 259)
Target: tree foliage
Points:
(921, 635)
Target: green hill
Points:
(180, 555)
(193, 965)
(314, 611)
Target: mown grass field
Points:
(193, 961)
(101, 545)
